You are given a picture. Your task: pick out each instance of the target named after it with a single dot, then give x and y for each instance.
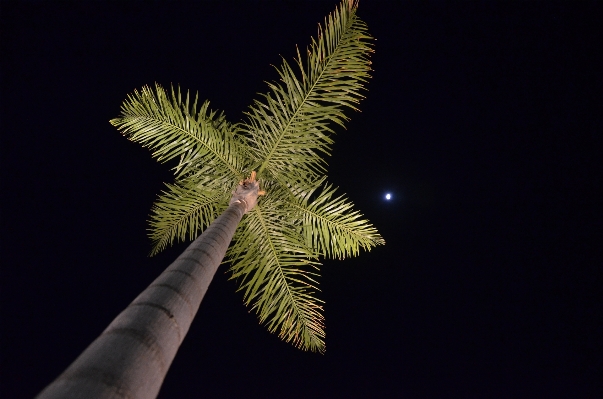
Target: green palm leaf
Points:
(277, 273)
(173, 127)
(289, 127)
(332, 228)
(183, 212)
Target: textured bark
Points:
(131, 357)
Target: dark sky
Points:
(483, 119)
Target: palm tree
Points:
(276, 249)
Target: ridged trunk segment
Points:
(132, 356)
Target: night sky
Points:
(484, 120)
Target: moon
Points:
(388, 196)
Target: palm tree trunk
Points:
(131, 357)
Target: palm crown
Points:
(283, 136)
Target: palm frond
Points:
(173, 127)
(332, 228)
(183, 212)
(298, 186)
(277, 275)
(291, 124)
